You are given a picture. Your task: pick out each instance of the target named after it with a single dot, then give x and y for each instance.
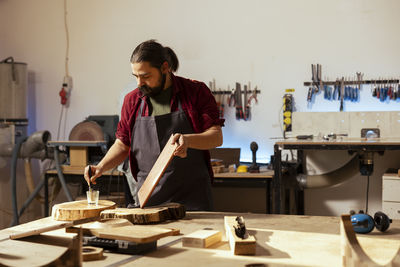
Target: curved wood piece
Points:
(147, 215)
(91, 253)
(352, 252)
(77, 210)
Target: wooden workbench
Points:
(283, 240)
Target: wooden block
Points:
(91, 253)
(156, 172)
(202, 238)
(147, 215)
(78, 156)
(238, 245)
(76, 210)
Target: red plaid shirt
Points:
(197, 101)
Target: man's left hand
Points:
(181, 149)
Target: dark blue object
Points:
(362, 223)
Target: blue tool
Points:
(364, 223)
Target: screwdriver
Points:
(90, 175)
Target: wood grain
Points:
(76, 210)
(147, 215)
(44, 225)
(156, 172)
(135, 233)
(202, 238)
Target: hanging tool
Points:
(341, 93)
(247, 107)
(239, 105)
(314, 78)
(253, 96)
(319, 75)
(310, 94)
(359, 80)
(231, 98)
(222, 105)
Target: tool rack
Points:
(352, 82)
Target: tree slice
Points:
(77, 210)
(155, 214)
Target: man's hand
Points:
(181, 149)
(95, 171)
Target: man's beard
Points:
(153, 91)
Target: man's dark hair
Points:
(156, 54)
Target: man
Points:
(165, 104)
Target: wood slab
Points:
(135, 233)
(77, 210)
(202, 238)
(101, 224)
(147, 215)
(43, 225)
(239, 246)
(156, 172)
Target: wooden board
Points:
(155, 214)
(202, 238)
(238, 245)
(43, 225)
(122, 229)
(135, 233)
(156, 172)
(101, 224)
(77, 210)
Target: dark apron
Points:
(186, 180)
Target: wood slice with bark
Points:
(147, 215)
(77, 210)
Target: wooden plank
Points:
(76, 210)
(202, 238)
(43, 225)
(147, 215)
(156, 172)
(239, 246)
(135, 233)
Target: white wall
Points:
(270, 43)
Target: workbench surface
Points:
(281, 240)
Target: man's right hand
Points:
(95, 171)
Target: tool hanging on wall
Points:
(239, 106)
(234, 98)
(349, 89)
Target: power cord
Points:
(366, 204)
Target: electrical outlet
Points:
(67, 84)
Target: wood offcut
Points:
(239, 246)
(147, 215)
